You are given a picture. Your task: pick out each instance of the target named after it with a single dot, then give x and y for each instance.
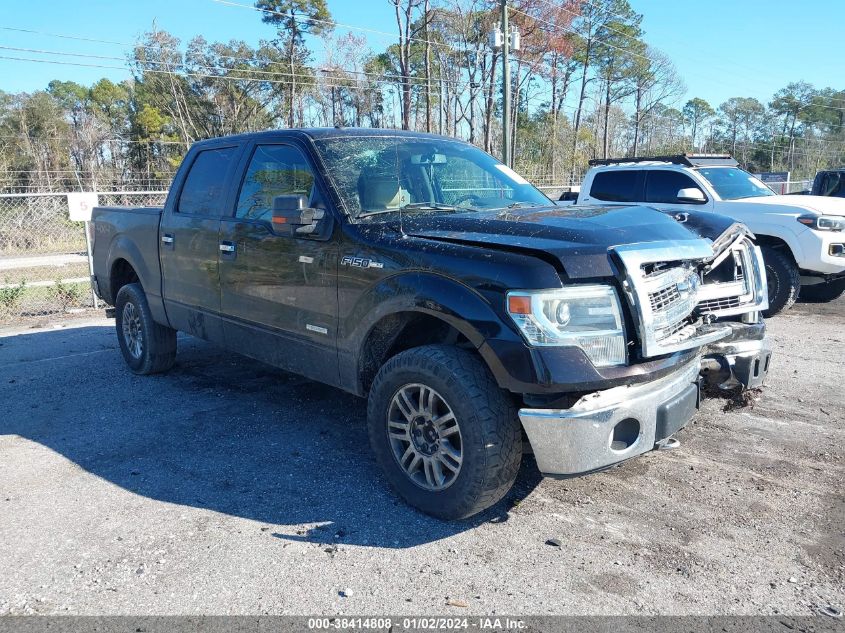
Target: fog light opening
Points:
(625, 434)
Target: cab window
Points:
(204, 190)
(274, 170)
(663, 186)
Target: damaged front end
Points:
(734, 293)
(702, 294)
(705, 295)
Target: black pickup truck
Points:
(479, 318)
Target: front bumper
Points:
(741, 359)
(607, 427)
(823, 251)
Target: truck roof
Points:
(686, 160)
(324, 132)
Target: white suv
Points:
(802, 237)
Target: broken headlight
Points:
(588, 317)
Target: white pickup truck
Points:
(802, 237)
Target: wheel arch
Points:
(423, 309)
(121, 274)
(772, 241)
(128, 261)
(399, 331)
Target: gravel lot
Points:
(227, 487)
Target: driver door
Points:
(662, 187)
(279, 292)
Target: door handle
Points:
(167, 239)
(227, 247)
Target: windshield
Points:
(734, 184)
(383, 174)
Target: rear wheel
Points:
(822, 293)
(147, 346)
(447, 438)
(783, 278)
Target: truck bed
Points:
(129, 233)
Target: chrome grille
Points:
(663, 299)
(672, 309)
(662, 281)
(672, 330)
(679, 332)
(672, 297)
(745, 292)
(717, 305)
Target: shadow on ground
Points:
(219, 432)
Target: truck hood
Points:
(579, 237)
(798, 205)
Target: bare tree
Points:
(656, 81)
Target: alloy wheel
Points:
(425, 436)
(132, 333)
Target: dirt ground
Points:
(227, 487)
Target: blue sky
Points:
(722, 48)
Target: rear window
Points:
(615, 186)
(203, 192)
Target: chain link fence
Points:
(43, 254)
(791, 186)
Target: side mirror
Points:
(293, 216)
(691, 194)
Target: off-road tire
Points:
(158, 342)
(823, 293)
(491, 435)
(783, 279)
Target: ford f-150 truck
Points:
(476, 316)
(802, 237)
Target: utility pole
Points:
(506, 87)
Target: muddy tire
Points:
(783, 278)
(823, 293)
(147, 347)
(448, 439)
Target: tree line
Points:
(585, 84)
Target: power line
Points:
(314, 82)
(338, 77)
(311, 80)
(137, 45)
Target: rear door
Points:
(279, 292)
(189, 238)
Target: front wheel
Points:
(783, 279)
(823, 293)
(147, 346)
(447, 438)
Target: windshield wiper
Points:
(434, 206)
(518, 205)
(417, 206)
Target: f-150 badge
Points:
(360, 262)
